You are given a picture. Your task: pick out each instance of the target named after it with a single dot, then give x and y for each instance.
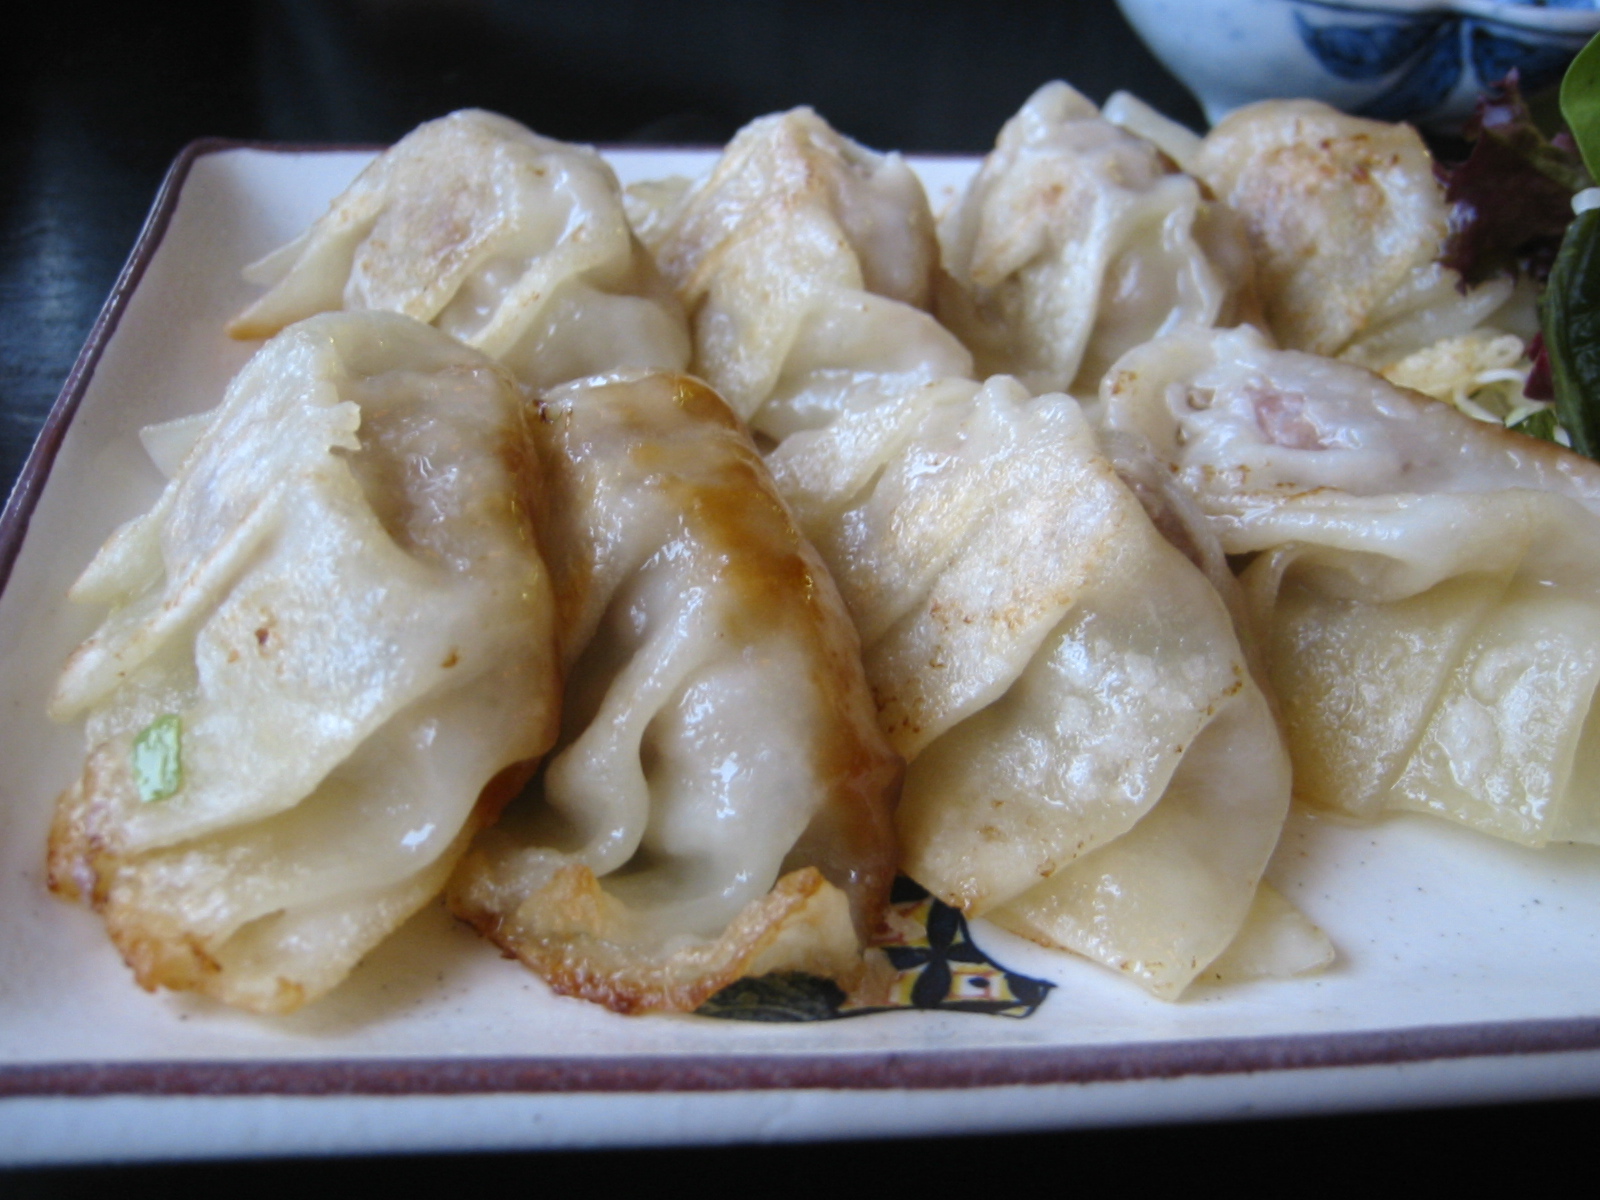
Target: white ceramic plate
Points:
(1469, 970)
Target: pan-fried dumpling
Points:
(1341, 213)
(1091, 763)
(720, 802)
(513, 243)
(1054, 672)
(805, 262)
(800, 232)
(1077, 241)
(1347, 223)
(329, 655)
(1429, 585)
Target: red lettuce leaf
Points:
(1541, 385)
(1512, 197)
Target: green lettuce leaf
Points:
(1580, 103)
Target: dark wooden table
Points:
(97, 100)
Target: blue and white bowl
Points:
(1424, 61)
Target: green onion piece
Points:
(1580, 103)
(1541, 424)
(1570, 312)
(158, 758)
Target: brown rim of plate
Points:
(916, 1070)
(912, 1070)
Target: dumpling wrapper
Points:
(1077, 241)
(794, 224)
(1429, 585)
(1043, 659)
(339, 600)
(1091, 763)
(720, 804)
(1347, 223)
(513, 243)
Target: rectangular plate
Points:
(1469, 969)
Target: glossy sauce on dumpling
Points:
(720, 800)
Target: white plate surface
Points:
(1469, 969)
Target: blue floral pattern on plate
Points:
(1426, 52)
(936, 965)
